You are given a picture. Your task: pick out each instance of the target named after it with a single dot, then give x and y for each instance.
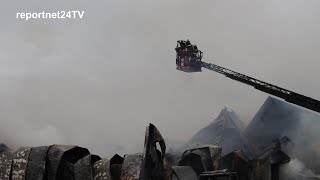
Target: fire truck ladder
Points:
(285, 94)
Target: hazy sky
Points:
(101, 79)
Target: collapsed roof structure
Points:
(225, 131)
(283, 121)
(273, 120)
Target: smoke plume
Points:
(98, 81)
(296, 170)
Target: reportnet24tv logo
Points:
(50, 15)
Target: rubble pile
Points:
(59, 162)
(225, 149)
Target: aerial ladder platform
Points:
(189, 59)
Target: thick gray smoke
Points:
(99, 81)
(306, 142)
(296, 170)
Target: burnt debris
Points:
(225, 149)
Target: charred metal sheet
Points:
(275, 156)
(167, 170)
(210, 156)
(131, 166)
(261, 169)
(5, 165)
(278, 157)
(107, 168)
(184, 173)
(194, 161)
(215, 153)
(153, 136)
(60, 161)
(219, 174)
(19, 163)
(266, 165)
(83, 169)
(101, 169)
(54, 157)
(37, 162)
(274, 153)
(236, 162)
(152, 164)
(115, 166)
